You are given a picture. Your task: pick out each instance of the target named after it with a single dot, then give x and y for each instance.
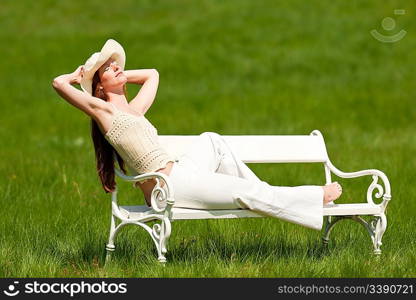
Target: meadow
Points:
(232, 67)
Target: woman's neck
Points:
(116, 98)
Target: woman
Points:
(208, 176)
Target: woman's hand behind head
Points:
(77, 75)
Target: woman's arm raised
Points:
(84, 101)
(149, 78)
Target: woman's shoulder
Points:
(104, 111)
(105, 108)
(112, 109)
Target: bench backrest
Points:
(260, 148)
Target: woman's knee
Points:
(215, 139)
(211, 135)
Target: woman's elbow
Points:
(155, 73)
(57, 83)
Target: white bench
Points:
(251, 149)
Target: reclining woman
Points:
(207, 176)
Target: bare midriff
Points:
(148, 186)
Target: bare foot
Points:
(332, 192)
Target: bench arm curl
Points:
(375, 173)
(374, 185)
(162, 196)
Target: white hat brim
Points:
(111, 49)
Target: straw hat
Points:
(111, 49)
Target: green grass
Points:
(233, 67)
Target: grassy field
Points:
(233, 67)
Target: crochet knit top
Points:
(135, 139)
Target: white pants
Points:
(209, 176)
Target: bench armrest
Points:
(374, 185)
(162, 197)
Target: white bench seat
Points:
(352, 209)
(179, 213)
(250, 149)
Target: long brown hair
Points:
(104, 152)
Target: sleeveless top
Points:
(135, 139)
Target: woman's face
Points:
(111, 76)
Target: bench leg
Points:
(110, 247)
(376, 228)
(329, 223)
(160, 235)
(378, 225)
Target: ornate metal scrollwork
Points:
(378, 225)
(156, 231)
(161, 201)
(159, 197)
(374, 186)
(160, 235)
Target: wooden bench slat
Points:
(259, 148)
(190, 214)
(351, 209)
(179, 213)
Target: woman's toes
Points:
(332, 191)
